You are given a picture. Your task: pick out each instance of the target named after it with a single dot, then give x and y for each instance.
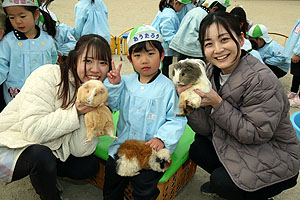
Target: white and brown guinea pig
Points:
(135, 155)
(98, 122)
(190, 71)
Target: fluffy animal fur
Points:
(135, 155)
(98, 122)
(190, 71)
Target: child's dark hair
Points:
(142, 46)
(49, 23)
(217, 4)
(165, 4)
(45, 3)
(240, 14)
(223, 19)
(101, 51)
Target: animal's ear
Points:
(102, 91)
(201, 62)
(86, 86)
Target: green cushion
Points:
(179, 156)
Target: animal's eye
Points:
(87, 91)
(182, 74)
(96, 94)
(173, 72)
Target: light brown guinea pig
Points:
(98, 122)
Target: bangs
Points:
(143, 46)
(98, 51)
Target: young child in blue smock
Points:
(25, 47)
(185, 41)
(64, 40)
(166, 22)
(292, 51)
(147, 101)
(91, 16)
(269, 50)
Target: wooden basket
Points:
(168, 189)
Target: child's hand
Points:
(156, 144)
(114, 76)
(295, 58)
(82, 109)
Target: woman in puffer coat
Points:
(244, 139)
(42, 131)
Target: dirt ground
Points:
(278, 16)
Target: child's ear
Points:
(242, 39)
(36, 14)
(162, 55)
(129, 59)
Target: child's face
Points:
(220, 49)
(178, 6)
(259, 41)
(146, 63)
(23, 20)
(89, 68)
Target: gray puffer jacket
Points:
(251, 129)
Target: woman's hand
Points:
(181, 88)
(82, 109)
(156, 144)
(209, 99)
(114, 76)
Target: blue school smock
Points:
(146, 111)
(65, 41)
(18, 58)
(91, 18)
(184, 10)
(248, 47)
(186, 39)
(292, 45)
(272, 54)
(167, 24)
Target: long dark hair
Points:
(101, 51)
(223, 19)
(240, 14)
(50, 24)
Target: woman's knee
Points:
(42, 157)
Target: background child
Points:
(186, 40)
(292, 51)
(64, 39)
(42, 130)
(185, 9)
(269, 50)
(166, 22)
(240, 14)
(2, 21)
(91, 17)
(25, 47)
(146, 95)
